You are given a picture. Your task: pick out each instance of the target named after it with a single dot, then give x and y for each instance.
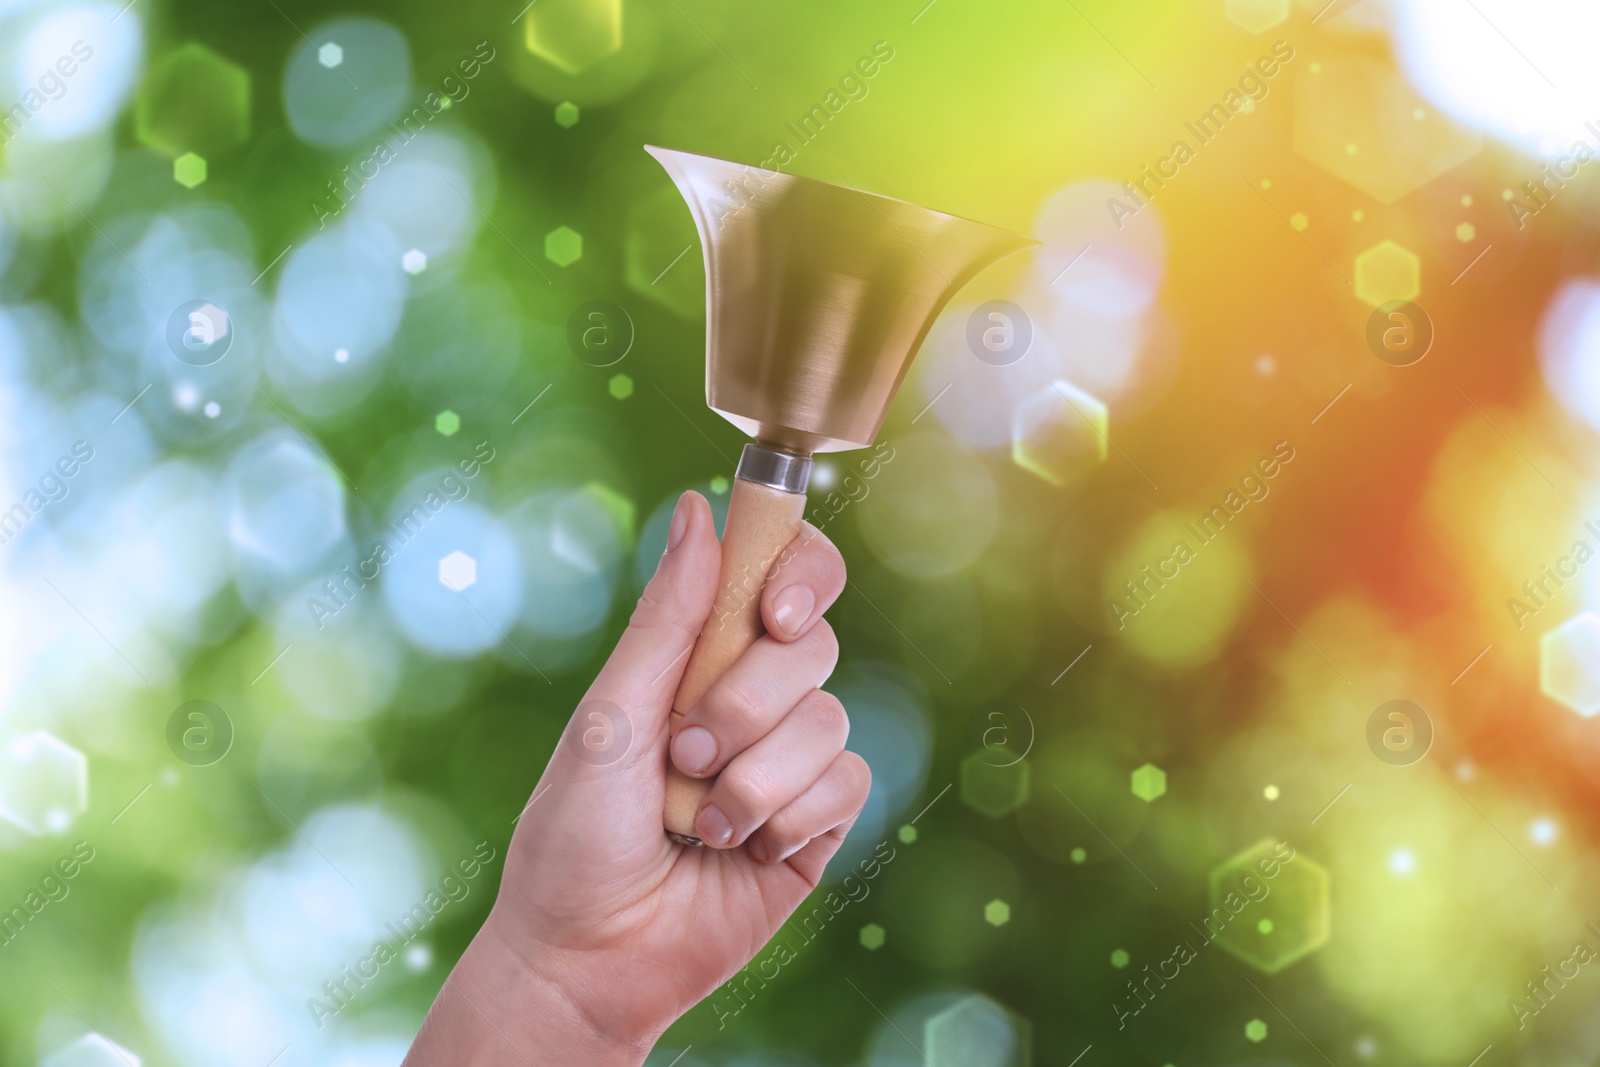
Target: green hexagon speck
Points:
(563, 246)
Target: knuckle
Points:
(823, 639)
(830, 564)
(809, 537)
(819, 555)
(782, 831)
(651, 614)
(826, 715)
(736, 705)
(746, 795)
(856, 774)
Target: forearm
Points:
(495, 1009)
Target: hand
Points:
(605, 931)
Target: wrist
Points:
(497, 1006)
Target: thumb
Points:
(606, 772)
(641, 676)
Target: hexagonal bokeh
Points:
(1256, 1030)
(1569, 664)
(330, 55)
(1387, 271)
(1360, 120)
(1058, 432)
(1256, 16)
(1266, 909)
(566, 114)
(662, 252)
(414, 261)
(1149, 782)
(44, 783)
(997, 913)
(620, 386)
(193, 100)
(458, 571)
(976, 1032)
(563, 246)
(91, 1050)
(447, 423)
(573, 35)
(993, 791)
(189, 170)
(872, 937)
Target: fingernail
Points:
(793, 607)
(714, 826)
(680, 523)
(694, 749)
(757, 847)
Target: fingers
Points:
(644, 668)
(743, 705)
(808, 579)
(764, 778)
(769, 679)
(832, 801)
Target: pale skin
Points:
(604, 931)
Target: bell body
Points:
(817, 296)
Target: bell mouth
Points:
(667, 156)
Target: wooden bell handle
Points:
(762, 520)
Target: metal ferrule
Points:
(783, 471)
